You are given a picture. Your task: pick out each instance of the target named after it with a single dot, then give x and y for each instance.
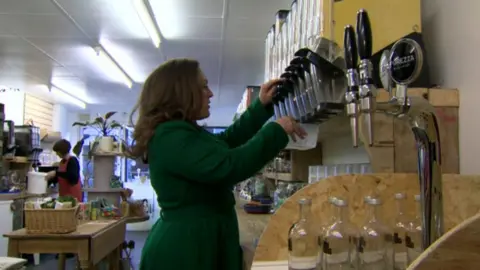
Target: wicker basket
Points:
(51, 221)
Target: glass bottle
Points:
(413, 238)
(339, 243)
(399, 232)
(303, 240)
(375, 248)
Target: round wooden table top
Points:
(458, 249)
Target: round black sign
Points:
(406, 60)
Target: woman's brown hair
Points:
(173, 91)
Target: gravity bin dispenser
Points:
(302, 47)
(323, 80)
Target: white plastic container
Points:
(5, 225)
(105, 144)
(36, 183)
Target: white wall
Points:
(63, 120)
(14, 106)
(453, 40)
(339, 150)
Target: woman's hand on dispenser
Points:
(267, 90)
(50, 175)
(292, 128)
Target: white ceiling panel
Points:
(190, 28)
(187, 8)
(242, 62)
(28, 7)
(33, 25)
(196, 49)
(257, 9)
(105, 18)
(16, 51)
(64, 50)
(245, 28)
(126, 53)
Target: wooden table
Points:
(92, 242)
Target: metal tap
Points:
(405, 63)
(351, 95)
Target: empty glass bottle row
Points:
(317, 173)
(340, 245)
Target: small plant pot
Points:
(105, 144)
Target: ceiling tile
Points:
(187, 8)
(33, 25)
(64, 50)
(28, 7)
(243, 62)
(106, 19)
(245, 52)
(190, 27)
(196, 49)
(17, 52)
(244, 28)
(255, 9)
(136, 56)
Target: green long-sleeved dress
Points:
(193, 173)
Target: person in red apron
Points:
(67, 175)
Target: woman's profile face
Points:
(207, 94)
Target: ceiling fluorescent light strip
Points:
(108, 61)
(148, 22)
(64, 95)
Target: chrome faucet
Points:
(402, 65)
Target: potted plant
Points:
(104, 141)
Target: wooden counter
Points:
(92, 242)
(460, 193)
(459, 249)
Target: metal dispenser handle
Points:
(351, 96)
(367, 89)
(364, 35)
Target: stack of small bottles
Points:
(343, 246)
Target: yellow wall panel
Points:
(390, 19)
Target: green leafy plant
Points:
(104, 125)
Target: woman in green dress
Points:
(193, 171)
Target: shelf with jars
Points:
(387, 204)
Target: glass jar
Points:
(375, 247)
(280, 195)
(399, 232)
(303, 246)
(340, 240)
(413, 238)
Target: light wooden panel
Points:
(39, 111)
(460, 201)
